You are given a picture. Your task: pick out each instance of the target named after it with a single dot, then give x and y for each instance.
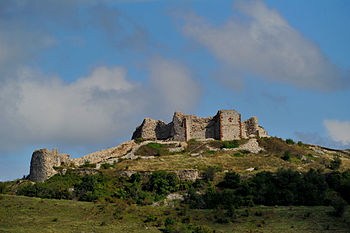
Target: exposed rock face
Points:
(43, 163)
(225, 125)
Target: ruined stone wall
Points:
(178, 132)
(200, 128)
(251, 128)
(43, 162)
(153, 129)
(225, 125)
(230, 125)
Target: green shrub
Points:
(339, 206)
(290, 141)
(230, 144)
(151, 218)
(335, 164)
(237, 154)
(203, 229)
(162, 182)
(244, 151)
(154, 145)
(139, 140)
(87, 164)
(286, 156)
(2, 187)
(209, 173)
(210, 152)
(231, 180)
(153, 149)
(169, 221)
(106, 165)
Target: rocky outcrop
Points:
(43, 162)
(225, 125)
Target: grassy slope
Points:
(268, 160)
(24, 214)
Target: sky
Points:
(80, 75)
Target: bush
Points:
(2, 187)
(286, 156)
(162, 182)
(231, 180)
(203, 229)
(237, 154)
(139, 140)
(290, 141)
(87, 164)
(335, 164)
(209, 173)
(169, 221)
(106, 165)
(230, 144)
(152, 149)
(339, 206)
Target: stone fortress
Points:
(225, 125)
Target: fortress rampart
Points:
(225, 125)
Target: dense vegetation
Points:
(285, 187)
(136, 189)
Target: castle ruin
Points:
(225, 125)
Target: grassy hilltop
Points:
(286, 187)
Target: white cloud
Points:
(174, 81)
(261, 42)
(338, 130)
(101, 108)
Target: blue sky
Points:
(81, 75)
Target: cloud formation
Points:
(261, 42)
(101, 108)
(173, 80)
(338, 130)
(27, 28)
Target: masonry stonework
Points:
(43, 163)
(225, 125)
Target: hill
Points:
(249, 183)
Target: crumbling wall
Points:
(153, 129)
(251, 128)
(230, 125)
(43, 162)
(225, 125)
(178, 132)
(200, 128)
